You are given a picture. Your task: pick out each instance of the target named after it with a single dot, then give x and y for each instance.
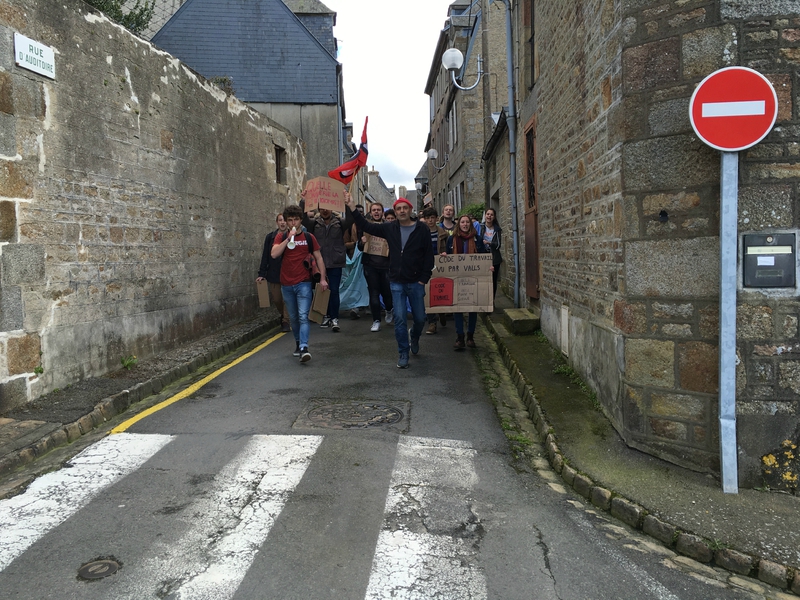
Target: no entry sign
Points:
(733, 108)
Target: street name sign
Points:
(733, 109)
(34, 56)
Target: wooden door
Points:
(532, 273)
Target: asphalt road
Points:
(268, 483)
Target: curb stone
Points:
(117, 404)
(686, 543)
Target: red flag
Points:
(348, 170)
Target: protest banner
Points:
(324, 192)
(460, 283)
(376, 246)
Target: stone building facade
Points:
(455, 176)
(134, 200)
(628, 218)
(618, 213)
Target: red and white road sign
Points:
(733, 108)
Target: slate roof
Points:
(260, 44)
(308, 7)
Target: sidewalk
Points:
(750, 533)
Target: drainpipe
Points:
(511, 122)
(340, 124)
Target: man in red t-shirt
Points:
(295, 279)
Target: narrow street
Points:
(255, 487)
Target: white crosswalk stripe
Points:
(53, 498)
(429, 492)
(424, 549)
(212, 558)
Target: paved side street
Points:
(748, 541)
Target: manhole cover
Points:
(354, 415)
(97, 569)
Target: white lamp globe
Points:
(452, 59)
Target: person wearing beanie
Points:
(410, 267)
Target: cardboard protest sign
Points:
(324, 192)
(460, 283)
(263, 293)
(375, 245)
(319, 304)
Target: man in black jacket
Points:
(270, 270)
(410, 267)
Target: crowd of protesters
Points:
(396, 252)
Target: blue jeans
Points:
(334, 283)
(297, 299)
(458, 319)
(415, 294)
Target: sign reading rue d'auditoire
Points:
(34, 56)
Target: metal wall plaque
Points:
(34, 56)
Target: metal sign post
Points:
(732, 109)
(728, 238)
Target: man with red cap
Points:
(410, 267)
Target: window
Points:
(280, 165)
(454, 122)
(530, 68)
(450, 128)
(530, 170)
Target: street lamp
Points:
(452, 60)
(433, 155)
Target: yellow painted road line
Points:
(192, 388)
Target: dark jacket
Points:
(331, 237)
(406, 265)
(270, 268)
(372, 260)
(496, 244)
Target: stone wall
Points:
(669, 314)
(629, 220)
(576, 102)
(134, 200)
(579, 157)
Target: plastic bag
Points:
(353, 291)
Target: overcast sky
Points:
(386, 48)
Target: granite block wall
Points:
(629, 220)
(134, 200)
(669, 312)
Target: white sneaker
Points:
(376, 326)
(334, 325)
(389, 317)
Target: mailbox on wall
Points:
(769, 260)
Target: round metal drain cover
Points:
(97, 569)
(362, 414)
